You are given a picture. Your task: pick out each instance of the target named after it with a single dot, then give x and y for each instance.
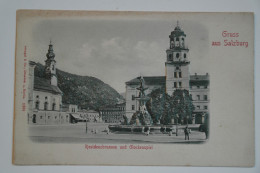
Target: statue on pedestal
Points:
(142, 114)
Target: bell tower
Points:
(50, 66)
(177, 62)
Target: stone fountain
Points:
(142, 116)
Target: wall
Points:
(50, 100)
(170, 79)
(48, 117)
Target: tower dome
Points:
(50, 54)
(177, 32)
(50, 66)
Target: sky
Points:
(116, 50)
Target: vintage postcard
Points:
(134, 88)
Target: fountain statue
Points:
(142, 116)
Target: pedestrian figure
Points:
(132, 129)
(207, 132)
(86, 127)
(143, 129)
(107, 130)
(148, 131)
(170, 133)
(187, 131)
(164, 129)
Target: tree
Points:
(163, 108)
(156, 105)
(181, 106)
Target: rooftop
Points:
(148, 80)
(43, 84)
(160, 80)
(199, 77)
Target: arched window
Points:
(170, 57)
(53, 106)
(37, 103)
(182, 43)
(34, 118)
(45, 105)
(172, 44)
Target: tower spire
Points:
(50, 54)
(50, 66)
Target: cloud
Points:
(116, 60)
(116, 51)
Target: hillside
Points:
(85, 91)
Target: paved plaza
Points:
(76, 133)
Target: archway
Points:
(34, 118)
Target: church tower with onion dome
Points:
(50, 66)
(177, 62)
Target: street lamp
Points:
(177, 125)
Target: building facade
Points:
(199, 90)
(44, 96)
(92, 116)
(113, 113)
(177, 76)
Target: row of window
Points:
(46, 98)
(37, 105)
(111, 112)
(41, 117)
(176, 56)
(176, 84)
(73, 109)
(205, 97)
(198, 107)
(198, 87)
(177, 75)
(177, 43)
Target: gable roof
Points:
(161, 80)
(199, 77)
(199, 80)
(42, 84)
(148, 80)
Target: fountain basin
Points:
(143, 128)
